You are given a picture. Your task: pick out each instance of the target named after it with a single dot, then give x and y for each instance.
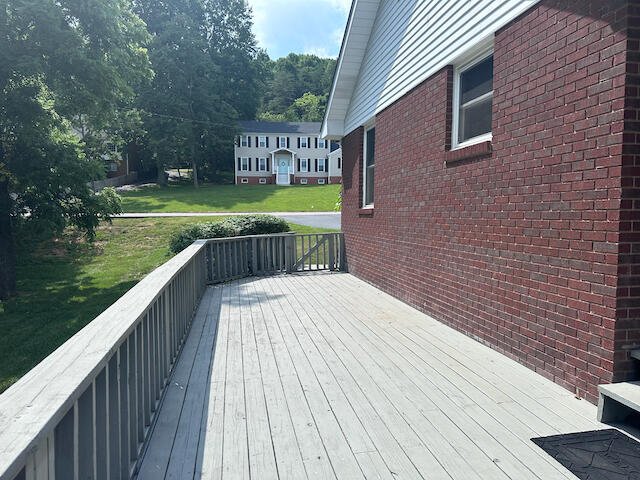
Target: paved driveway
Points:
(312, 219)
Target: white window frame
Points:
(303, 181)
(321, 181)
(245, 139)
(263, 180)
(321, 143)
(260, 164)
(367, 127)
(306, 165)
(244, 167)
(303, 142)
(322, 162)
(262, 141)
(455, 127)
(282, 142)
(244, 180)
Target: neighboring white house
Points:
(285, 153)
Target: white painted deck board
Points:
(322, 376)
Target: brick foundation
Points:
(256, 180)
(523, 245)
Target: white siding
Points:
(413, 39)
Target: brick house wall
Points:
(520, 245)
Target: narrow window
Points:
(321, 164)
(304, 164)
(369, 161)
(474, 101)
(282, 142)
(262, 142)
(262, 164)
(244, 164)
(244, 141)
(321, 143)
(303, 142)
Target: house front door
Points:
(283, 171)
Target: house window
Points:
(321, 143)
(303, 142)
(263, 180)
(321, 165)
(262, 142)
(367, 171)
(304, 164)
(473, 101)
(262, 164)
(244, 141)
(321, 181)
(112, 147)
(282, 142)
(113, 167)
(303, 181)
(245, 180)
(244, 164)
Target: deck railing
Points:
(237, 257)
(87, 409)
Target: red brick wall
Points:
(255, 180)
(518, 247)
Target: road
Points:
(313, 219)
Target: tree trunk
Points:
(194, 166)
(161, 179)
(7, 248)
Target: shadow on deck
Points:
(322, 376)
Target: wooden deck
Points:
(323, 376)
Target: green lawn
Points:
(64, 284)
(232, 198)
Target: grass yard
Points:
(66, 283)
(232, 198)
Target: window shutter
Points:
(239, 164)
(288, 143)
(257, 164)
(316, 164)
(308, 142)
(257, 142)
(326, 165)
(268, 170)
(267, 142)
(249, 163)
(248, 140)
(298, 142)
(299, 165)
(316, 142)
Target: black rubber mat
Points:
(595, 455)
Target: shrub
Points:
(232, 227)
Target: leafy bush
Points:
(232, 227)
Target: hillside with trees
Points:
(297, 89)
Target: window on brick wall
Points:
(369, 162)
(473, 101)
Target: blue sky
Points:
(300, 26)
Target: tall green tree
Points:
(208, 74)
(60, 61)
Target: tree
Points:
(208, 73)
(60, 61)
(297, 88)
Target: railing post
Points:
(290, 252)
(254, 256)
(332, 251)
